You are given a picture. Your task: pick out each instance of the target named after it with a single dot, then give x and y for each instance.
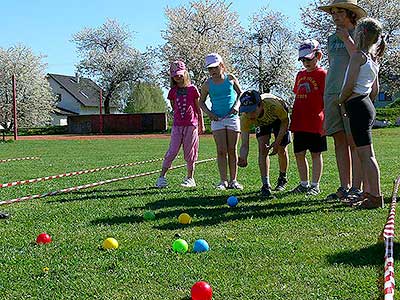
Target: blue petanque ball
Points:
(200, 246)
(232, 201)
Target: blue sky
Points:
(47, 26)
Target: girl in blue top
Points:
(224, 92)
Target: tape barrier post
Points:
(19, 158)
(388, 236)
(95, 184)
(27, 181)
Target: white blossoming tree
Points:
(195, 30)
(108, 58)
(35, 100)
(266, 55)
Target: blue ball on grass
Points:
(200, 246)
(232, 201)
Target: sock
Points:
(265, 180)
(304, 183)
(282, 174)
(315, 184)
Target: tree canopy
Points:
(35, 100)
(144, 98)
(106, 56)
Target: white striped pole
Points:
(19, 158)
(27, 181)
(388, 235)
(85, 186)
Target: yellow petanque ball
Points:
(184, 218)
(110, 243)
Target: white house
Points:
(76, 96)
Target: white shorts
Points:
(226, 123)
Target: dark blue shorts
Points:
(273, 128)
(314, 142)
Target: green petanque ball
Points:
(180, 246)
(149, 215)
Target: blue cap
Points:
(249, 101)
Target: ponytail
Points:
(380, 50)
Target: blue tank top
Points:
(222, 97)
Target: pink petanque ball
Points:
(43, 238)
(201, 290)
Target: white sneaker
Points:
(222, 186)
(161, 182)
(188, 182)
(235, 185)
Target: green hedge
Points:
(389, 114)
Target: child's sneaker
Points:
(266, 191)
(161, 182)
(300, 189)
(235, 185)
(313, 191)
(4, 215)
(188, 182)
(281, 184)
(222, 186)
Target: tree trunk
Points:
(107, 104)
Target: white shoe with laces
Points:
(235, 185)
(222, 185)
(161, 182)
(188, 182)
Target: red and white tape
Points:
(18, 158)
(27, 181)
(85, 186)
(388, 235)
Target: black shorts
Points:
(361, 113)
(314, 142)
(273, 128)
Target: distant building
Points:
(75, 96)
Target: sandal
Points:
(353, 200)
(371, 202)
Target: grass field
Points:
(291, 247)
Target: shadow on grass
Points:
(369, 256)
(212, 210)
(84, 195)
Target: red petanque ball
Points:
(43, 238)
(201, 290)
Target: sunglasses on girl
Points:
(304, 59)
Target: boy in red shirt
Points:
(308, 117)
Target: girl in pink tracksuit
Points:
(187, 124)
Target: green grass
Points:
(291, 247)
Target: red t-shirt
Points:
(308, 108)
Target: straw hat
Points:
(346, 4)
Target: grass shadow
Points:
(213, 210)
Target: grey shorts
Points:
(335, 116)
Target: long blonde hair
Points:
(186, 80)
(367, 33)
